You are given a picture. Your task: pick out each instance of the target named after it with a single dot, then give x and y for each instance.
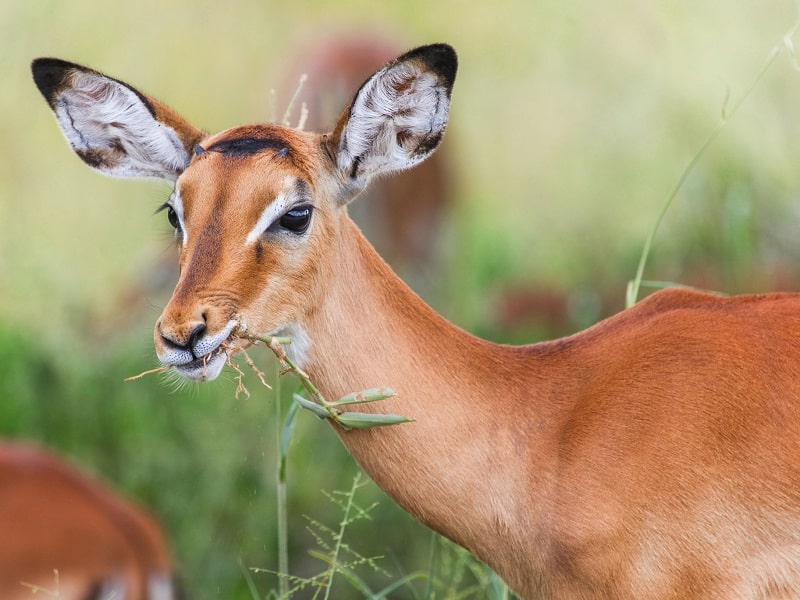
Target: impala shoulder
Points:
(676, 298)
(668, 308)
(689, 300)
(657, 305)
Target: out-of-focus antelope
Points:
(65, 535)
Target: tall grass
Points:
(727, 114)
(331, 546)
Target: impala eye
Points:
(297, 219)
(172, 217)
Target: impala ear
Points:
(113, 127)
(397, 118)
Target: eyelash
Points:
(172, 215)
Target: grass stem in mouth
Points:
(329, 410)
(318, 405)
(150, 372)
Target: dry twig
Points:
(149, 372)
(330, 410)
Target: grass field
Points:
(571, 122)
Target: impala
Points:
(63, 535)
(654, 455)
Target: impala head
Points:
(256, 209)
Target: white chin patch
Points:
(203, 369)
(301, 343)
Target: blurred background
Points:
(570, 124)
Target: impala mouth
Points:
(205, 368)
(207, 357)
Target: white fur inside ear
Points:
(111, 129)
(396, 121)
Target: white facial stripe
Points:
(161, 587)
(273, 211)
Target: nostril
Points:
(196, 334)
(169, 342)
(179, 342)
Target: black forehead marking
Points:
(247, 146)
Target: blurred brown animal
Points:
(65, 535)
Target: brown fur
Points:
(54, 518)
(654, 455)
(667, 433)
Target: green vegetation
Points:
(571, 123)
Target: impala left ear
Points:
(113, 127)
(397, 118)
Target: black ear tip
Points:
(49, 75)
(445, 59)
(441, 58)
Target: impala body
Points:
(63, 535)
(655, 455)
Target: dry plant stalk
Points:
(324, 409)
(241, 388)
(318, 405)
(148, 372)
(35, 589)
(288, 113)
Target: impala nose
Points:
(197, 350)
(181, 343)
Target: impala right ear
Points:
(112, 127)
(397, 118)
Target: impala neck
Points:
(456, 468)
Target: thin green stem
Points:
(329, 410)
(433, 556)
(248, 578)
(282, 503)
(334, 559)
(276, 345)
(632, 292)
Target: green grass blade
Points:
(248, 578)
(371, 395)
(356, 420)
(396, 585)
(313, 407)
(632, 293)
